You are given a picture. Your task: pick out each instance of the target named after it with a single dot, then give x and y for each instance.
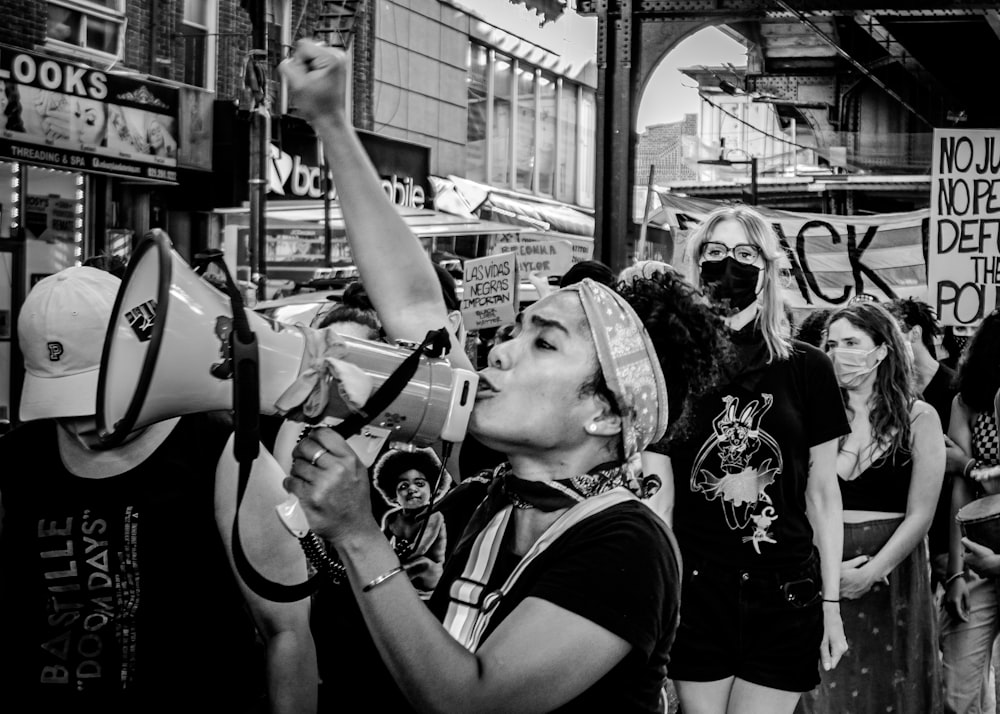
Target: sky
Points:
(669, 94)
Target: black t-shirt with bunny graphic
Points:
(740, 477)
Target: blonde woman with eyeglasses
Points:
(757, 510)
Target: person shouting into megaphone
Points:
(563, 590)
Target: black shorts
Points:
(763, 626)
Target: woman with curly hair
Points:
(563, 591)
(970, 621)
(757, 510)
(891, 467)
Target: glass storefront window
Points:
(525, 157)
(477, 81)
(10, 191)
(503, 75)
(546, 153)
(566, 171)
(586, 144)
(53, 220)
(547, 148)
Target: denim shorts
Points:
(762, 626)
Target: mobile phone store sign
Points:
(74, 117)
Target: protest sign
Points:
(545, 257)
(963, 253)
(489, 291)
(827, 259)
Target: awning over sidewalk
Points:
(423, 222)
(464, 197)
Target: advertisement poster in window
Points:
(66, 115)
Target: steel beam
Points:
(614, 160)
(696, 9)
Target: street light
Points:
(723, 161)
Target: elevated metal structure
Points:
(870, 69)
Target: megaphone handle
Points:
(291, 515)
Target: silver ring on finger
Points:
(319, 452)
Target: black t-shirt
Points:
(939, 393)
(740, 478)
(617, 569)
(116, 594)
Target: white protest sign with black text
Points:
(545, 257)
(489, 291)
(963, 256)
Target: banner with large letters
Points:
(827, 259)
(71, 116)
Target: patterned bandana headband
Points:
(630, 366)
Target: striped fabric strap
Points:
(471, 607)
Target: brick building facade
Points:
(670, 149)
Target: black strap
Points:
(391, 388)
(245, 379)
(268, 589)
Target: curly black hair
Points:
(979, 368)
(916, 313)
(690, 339)
(813, 327)
(395, 463)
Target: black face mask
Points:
(960, 343)
(730, 283)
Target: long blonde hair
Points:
(771, 317)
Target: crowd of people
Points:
(671, 497)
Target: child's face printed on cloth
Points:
(413, 490)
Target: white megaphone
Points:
(166, 354)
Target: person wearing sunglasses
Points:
(757, 509)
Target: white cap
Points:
(61, 331)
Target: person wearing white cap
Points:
(116, 591)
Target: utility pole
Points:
(255, 78)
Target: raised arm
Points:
(394, 267)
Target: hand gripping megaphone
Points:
(167, 353)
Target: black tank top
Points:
(883, 486)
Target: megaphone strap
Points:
(268, 589)
(391, 388)
(311, 543)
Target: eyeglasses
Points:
(713, 251)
